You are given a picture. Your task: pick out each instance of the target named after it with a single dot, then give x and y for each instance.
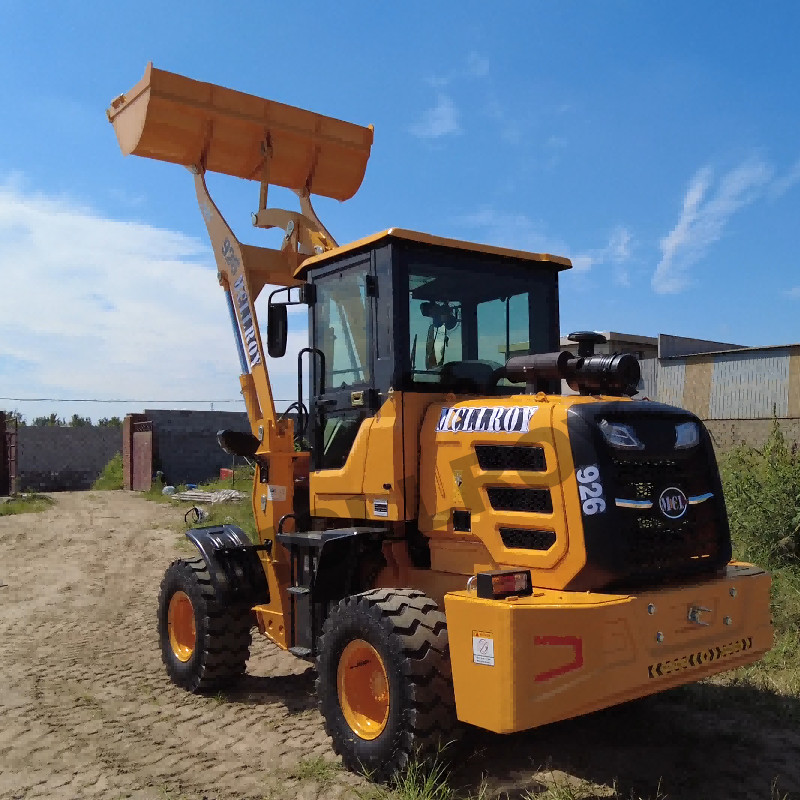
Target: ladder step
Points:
(298, 590)
(300, 652)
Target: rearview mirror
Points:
(277, 330)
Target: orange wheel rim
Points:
(180, 621)
(363, 689)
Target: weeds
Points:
(316, 769)
(25, 504)
(111, 476)
(239, 513)
(421, 780)
(762, 491)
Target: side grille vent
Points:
(526, 539)
(512, 457)
(512, 498)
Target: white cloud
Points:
(785, 182)
(703, 219)
(519, 232)
(105, 308)
(512, 230)
(617, 252)
(441, 120)
(793, 292)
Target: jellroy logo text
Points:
(246, 319)
(486, 419)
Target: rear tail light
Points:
(504, 583)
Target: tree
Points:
(52, 421)
(15, 417)
(78, 421)
(110, 422)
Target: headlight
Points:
(621, 436)
(687, 434)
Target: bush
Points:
(762, 492)
(111, 476)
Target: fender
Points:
(233, 564)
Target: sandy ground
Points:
(86, 709)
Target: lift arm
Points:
(206, 127)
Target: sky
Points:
(657, 145)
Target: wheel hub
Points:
(363, 687)
(180, 622)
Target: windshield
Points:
(465, 321)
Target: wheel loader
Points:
(441, 530)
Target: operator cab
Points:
(404, 311)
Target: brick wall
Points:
(53, 459)
(127, 447)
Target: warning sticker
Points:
(276, 493)
(483, 648)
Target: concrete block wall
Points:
(185, 442)
(52, 459)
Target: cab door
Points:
(342, 329)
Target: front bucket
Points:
(172, 118)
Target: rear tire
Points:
(400, 702)
(204, 644)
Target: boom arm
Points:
(172, 118)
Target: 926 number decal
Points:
(590, 490)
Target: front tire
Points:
(384, 680)
(204, 644)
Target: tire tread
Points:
(224, 646)
(419, 629)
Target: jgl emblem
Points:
(673, 503)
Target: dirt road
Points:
(86, 709)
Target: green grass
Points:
(111, 476)
(25, 504)
(242, 481)
(421, 780)
(239, 512)
(762, 492)
(315, 768)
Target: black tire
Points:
(222, 636)
(409, 634)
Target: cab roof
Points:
(559, 262)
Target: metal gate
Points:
(142, 476)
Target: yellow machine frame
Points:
(517, 661)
